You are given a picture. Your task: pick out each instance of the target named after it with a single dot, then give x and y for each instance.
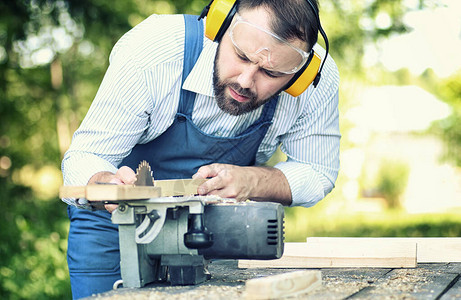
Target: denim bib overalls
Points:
(93, 250)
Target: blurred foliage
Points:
(388, 181)
(386, 224)
(53, 55)
(33, 244)
(450, 128)
(391, 182)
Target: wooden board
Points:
(454, 292)
(179, 187)
(429, 249)
(283, 285)
(434, 250)
(367, 254)
(112, 192)
(109, 192)
(426, 282)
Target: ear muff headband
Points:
(219, 15)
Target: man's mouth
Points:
(238, 97)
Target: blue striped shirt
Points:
(139, 95)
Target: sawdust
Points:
(207, 292)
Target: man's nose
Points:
(247, 77)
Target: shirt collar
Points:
(200, 79)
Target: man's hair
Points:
(294, 19)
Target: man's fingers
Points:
(226, 192)
(208, 171)
(210, 185)
(126, 175)
(116, 180)
(111, 207)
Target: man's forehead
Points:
(259, 16)
(262, 17)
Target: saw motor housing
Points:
(172, 238)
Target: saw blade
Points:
(144, 175)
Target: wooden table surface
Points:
(427, 281)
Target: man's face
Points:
(243, 82)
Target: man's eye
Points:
(242, 57)
(272, 74)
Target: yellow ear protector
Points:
(219, 15)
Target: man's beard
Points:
(227, 103)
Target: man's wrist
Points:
(269, 184)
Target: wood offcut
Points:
(283, 285)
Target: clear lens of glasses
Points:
(265, 48)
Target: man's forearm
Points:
(269, 184)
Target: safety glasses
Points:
(265, 48)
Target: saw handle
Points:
(197, 236)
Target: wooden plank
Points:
(429, 249)
(453, 268)
(109, 192)
(420, 283)
(438, 250)
(454, 292)
(283, 285)
(367, 254)
(342, 283)
(179, 187)
(112, 192)
(72, 191)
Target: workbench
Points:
(426, 281)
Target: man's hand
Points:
(242, 183)
(124, 175)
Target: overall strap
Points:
(193, 44)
